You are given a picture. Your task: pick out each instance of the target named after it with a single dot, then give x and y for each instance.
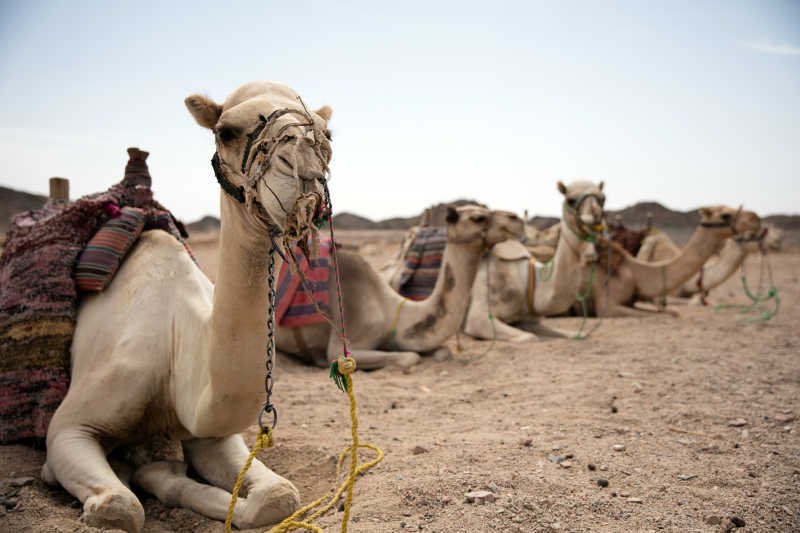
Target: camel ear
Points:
(452, 215)
(601, 185)
(204, 110)
(562, 188)
(705, 212)
(324, 112)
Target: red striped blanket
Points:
(423, 262)
(294, 307)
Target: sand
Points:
(703, 405)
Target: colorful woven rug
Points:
(423, 262)
(295, 306)
(39, 297)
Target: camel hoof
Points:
(263, 507)
(442, 354)
(406, 359)
(114, 510)
(526, 337)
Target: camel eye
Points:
(328, 134)
(479, 219)
(726, 217)
(571, 201)
(228, 133)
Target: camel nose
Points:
(588, 219)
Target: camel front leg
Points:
(269, 498)
(479, 325)
(77, 461)
(540, 330)
(623, 311)
(167, 481)
(373, 359)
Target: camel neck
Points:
(731, 258)
(440, 315)
(236, 328)
(556, 293)
(662, 277)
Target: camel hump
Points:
(510, 250)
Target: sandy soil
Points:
(704, 406)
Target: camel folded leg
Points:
(372, 359)
(77, 461)
(168, 482)
(623, 311)
(540, 330)
(269, 498)
(478, 325)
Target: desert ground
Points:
(686, 422)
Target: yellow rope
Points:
(397, 315)
(264, 440)
(346, 366)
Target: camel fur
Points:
(632, 279)
(163, 353)
(372, 307)
(505, 294)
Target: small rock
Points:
(598, 436)
(492, 487)
(394, 405)
(569, 456)
(619, 447)
(554, 458)
(526, 442)
(479, 497)
(340, 508)
(402, 524)
(591, 467)
(738, 522)
(624, 494)
(614, 409)
(687, 477)
(418, 450)
(737, 423)
(603, 468)
(713, 520)
(565, 464)
(637, 387)
(634, 500)
(602, 482)
(784, 418)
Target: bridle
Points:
(257, 142)
(581, 231)
(730, 223)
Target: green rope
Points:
(582, 299)
(763, 313)
(546, 272)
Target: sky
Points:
(687, 103)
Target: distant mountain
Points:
(635, 216)
(13, 202)
(207, 223)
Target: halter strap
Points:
(531, 283)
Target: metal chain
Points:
(268, 406)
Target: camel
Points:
(715, 272)
(633, 279)
(372, 308)
(162, 352)
(521, 290)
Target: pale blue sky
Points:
(686, 103)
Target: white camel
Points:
(163, 352)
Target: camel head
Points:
(582, 212)
(749, 231)
(729, 222)
(272, 154)
(469, 224)
(505, 225)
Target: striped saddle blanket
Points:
(423, 262)
(294, 299)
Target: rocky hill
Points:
(13, 202)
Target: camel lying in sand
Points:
(372, 307)
(520, 290)
(632, 279)
(163, 352)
